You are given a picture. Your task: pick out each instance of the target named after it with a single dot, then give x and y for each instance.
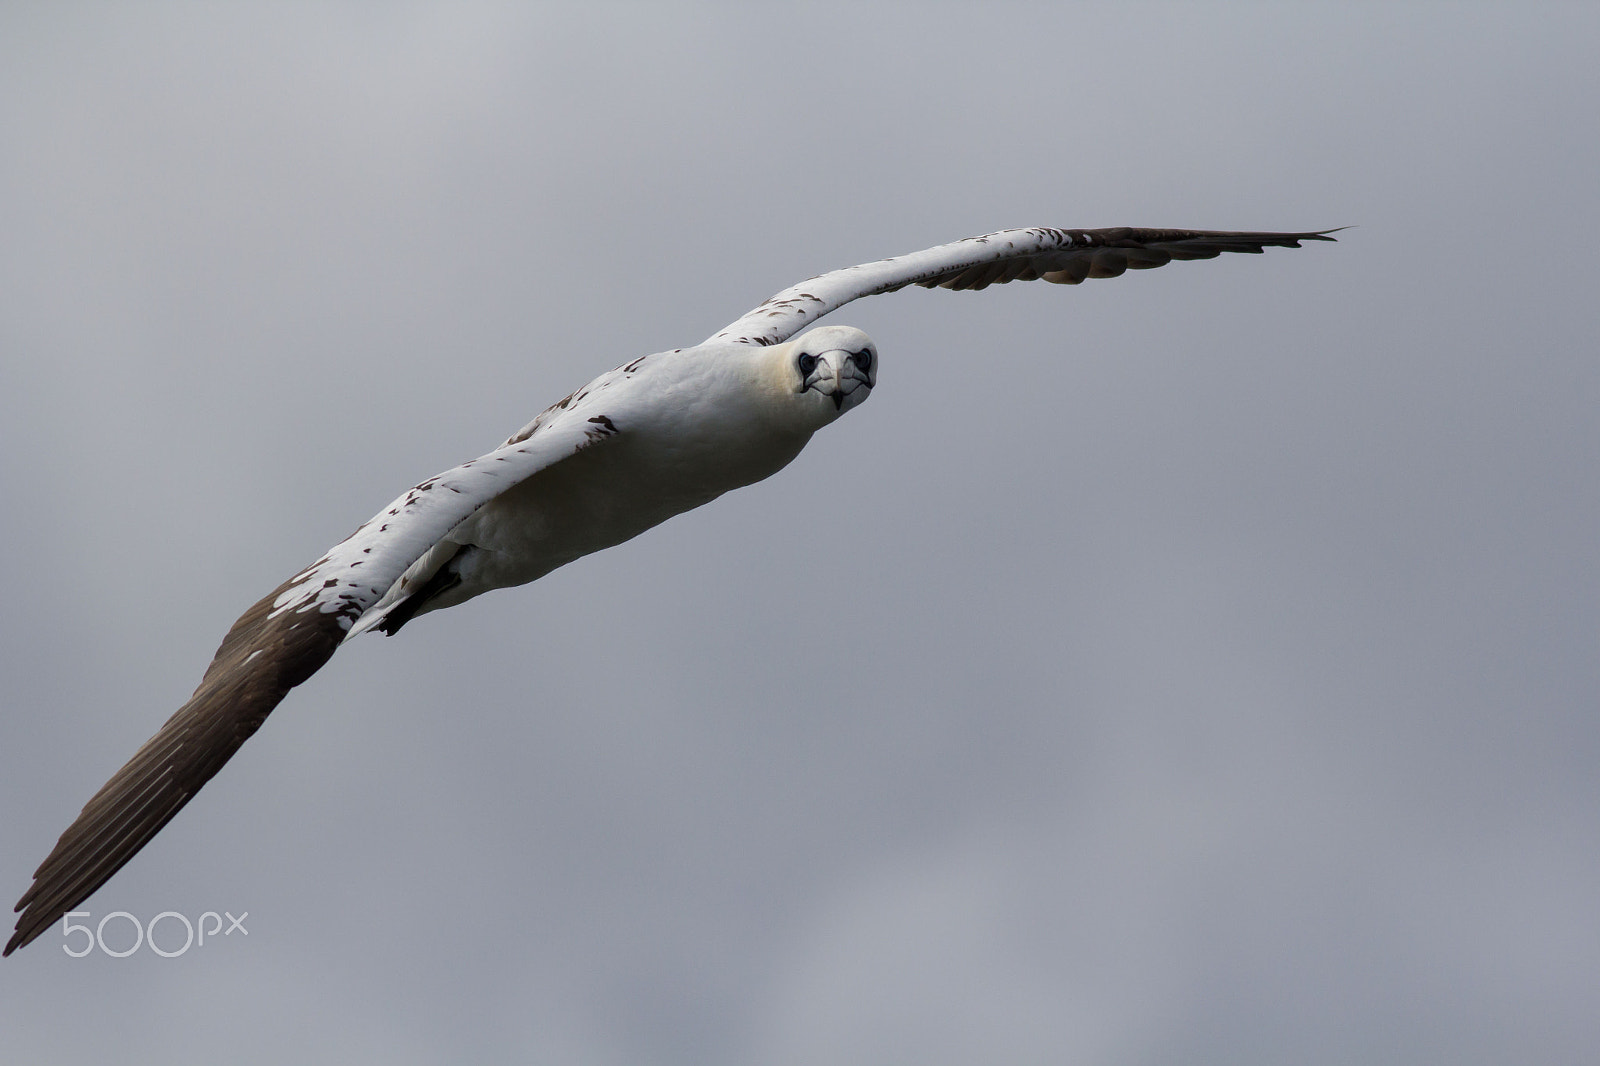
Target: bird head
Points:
(835, 365)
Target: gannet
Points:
(653, 438)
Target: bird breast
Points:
(695, 439)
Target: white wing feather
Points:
(1057, 255)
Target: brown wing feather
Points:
(1107, 253)
(274, 646)
(1063, 256)
(259, 661)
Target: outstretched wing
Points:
(1063, 256)
(275, 645)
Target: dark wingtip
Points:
(234, 698)
(25, 934)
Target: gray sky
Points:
(1209, 671)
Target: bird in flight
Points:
(653, 438)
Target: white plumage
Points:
(679, 429)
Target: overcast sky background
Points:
(1197, 667)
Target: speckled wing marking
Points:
(1063, 256)
(274, 646)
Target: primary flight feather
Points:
(651, 439)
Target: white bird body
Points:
(690, 425)
(651, 439)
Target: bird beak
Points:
(842, 375)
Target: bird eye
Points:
(863, 359)
(807, 363)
